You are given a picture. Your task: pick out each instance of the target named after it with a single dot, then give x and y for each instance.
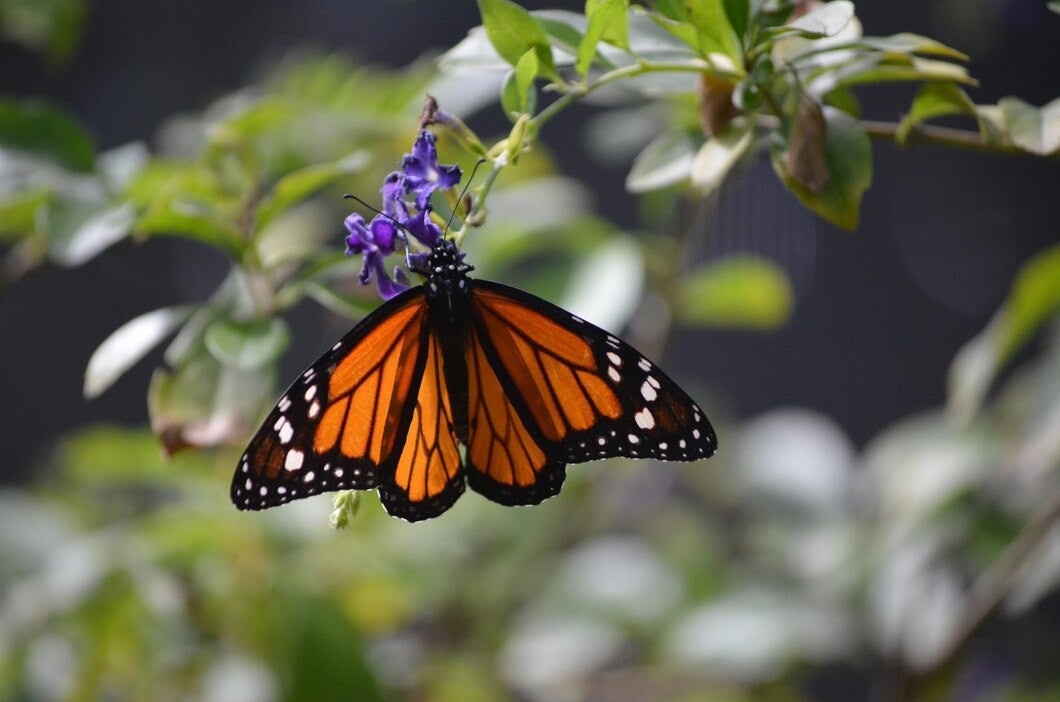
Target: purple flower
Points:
(375, 241)
(420, 176)
(423, 174)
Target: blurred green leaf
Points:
(608, 21)
(296, 186)
(249, 344)
(128, 344)
(826, 20)
(51, 26)
(877, 68)
(101, 455)
(718, 155)
(518, 96)
(906, 43)
(1036, 129)
(848, 156)
(736, 292)
(739, 14)
(1033, 300)
(202, 403)
(41, 129)
(564, 29)
(315, 630)
(194, 223)
(77, 232)
(666, 160)
(804, 157)
(513, 31)
(934, 100)
(712, 25)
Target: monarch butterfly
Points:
(523, 385)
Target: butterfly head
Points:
(445, 270)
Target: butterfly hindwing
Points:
(581, 392)
(427, 476)
(338, 425)
(506, 461)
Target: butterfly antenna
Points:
(462, 193)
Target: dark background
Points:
(880, 312)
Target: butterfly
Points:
(461, 381)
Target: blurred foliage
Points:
(791, 558)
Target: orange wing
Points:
(428, 477)
(547, 388)
(338, 425)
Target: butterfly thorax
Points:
(447, 283)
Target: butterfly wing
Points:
(340, 424)
(548, 388)
(428, 476)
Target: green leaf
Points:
(203, 404)
(1034, 129)
(739, 14)
(247, 344)
(52, 26)
(827, 20)
(1033, 300)
(742, 292)
(934, 100)
(608, 21)
(667, 159)
(41, 129)
(195, 224)
(128, 344)
(77, 232)
(804, 157)
(1054, 5)
(718, 155)
(878, 68)
(906, 43)
(848, 156)
(715, 32)
(525, 73)
(295, 187)
(513, 31)
(564, 29)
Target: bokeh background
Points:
(609, 609)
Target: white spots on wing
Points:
(634, 439)
(293, 460)
(613, 373)
(310, 393)
(612, 342)
(282, 490)
(644, 364)
(284, 430)
(695, 433)
(602, 440)
(663, 445)
(644, 419)
(308, 478)
(337, 346)
(682, 443)
(249, 484)
(314, 410)
(576, 318)
(263, 491)
(653, 382)
(284, 404)
(338, 472)
(647, 391)
(615, 358)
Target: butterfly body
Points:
(465, 381)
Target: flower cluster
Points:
(419, 177)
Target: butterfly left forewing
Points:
(337, 426)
